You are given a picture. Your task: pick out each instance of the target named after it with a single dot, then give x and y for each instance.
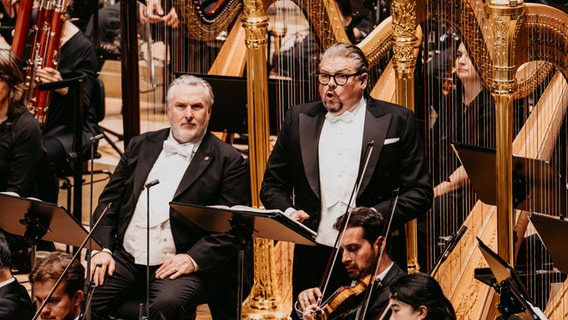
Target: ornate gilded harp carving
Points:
(519, 51)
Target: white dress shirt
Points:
(339, 154)
(169, 169)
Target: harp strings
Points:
(167, 52)
(293, 56)
(533, 259)
(451, 119)
(474, 123)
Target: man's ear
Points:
(77, 297)
(422, 312)
(379, 244)
(364, 80)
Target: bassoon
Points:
(44, 52)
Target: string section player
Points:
(361, 245)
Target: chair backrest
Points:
(99, 100)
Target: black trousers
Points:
(169, 299)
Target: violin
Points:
(346, 298)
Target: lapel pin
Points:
(206, 158)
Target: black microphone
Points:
(151, 183)
(454, 241)
(96, 138)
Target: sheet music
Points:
(277, 212)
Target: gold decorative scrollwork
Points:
(200, 26)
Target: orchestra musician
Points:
(418, 296)
(319, 153)
(468, 118)
(108, 28)
(189, 266)
(65, 302)
(21, 144)
(472, 112)
(77, 56)
(15, 302)
(22, 152)
(361, 246)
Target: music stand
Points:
(533, 180)
(506, 282)
(269, 224)
(553, 232)
(37, 220)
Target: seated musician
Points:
(65, 302)
(419, 296)
(15, 302)
(77, 56)
(21, 150)
(188, 265)
(361, 246)
(106, 35)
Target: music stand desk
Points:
(514, 297)
(534, 180)
(42, 221)
(269, 224)
(554, 234)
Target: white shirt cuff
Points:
(194, 263)
(289, 211)
(93, 252)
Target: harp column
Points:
(405, 42)
(270, 296)
(504, 19)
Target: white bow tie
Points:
(346, 117)
(171, 148)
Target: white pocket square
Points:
(391, 140)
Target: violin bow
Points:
(333, 256)
(386, 232)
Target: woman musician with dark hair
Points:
(418, 296)
(21, 147)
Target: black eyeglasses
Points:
(339, 78)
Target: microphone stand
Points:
(91, 288)
(77, 253)
(147, 186)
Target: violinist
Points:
(361, 246)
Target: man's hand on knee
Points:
(101, 264)
(176, 266)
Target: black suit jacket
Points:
(381, 294)
(15, 302)
(217, 174)
(397, 161)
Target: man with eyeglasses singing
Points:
(323, 148)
